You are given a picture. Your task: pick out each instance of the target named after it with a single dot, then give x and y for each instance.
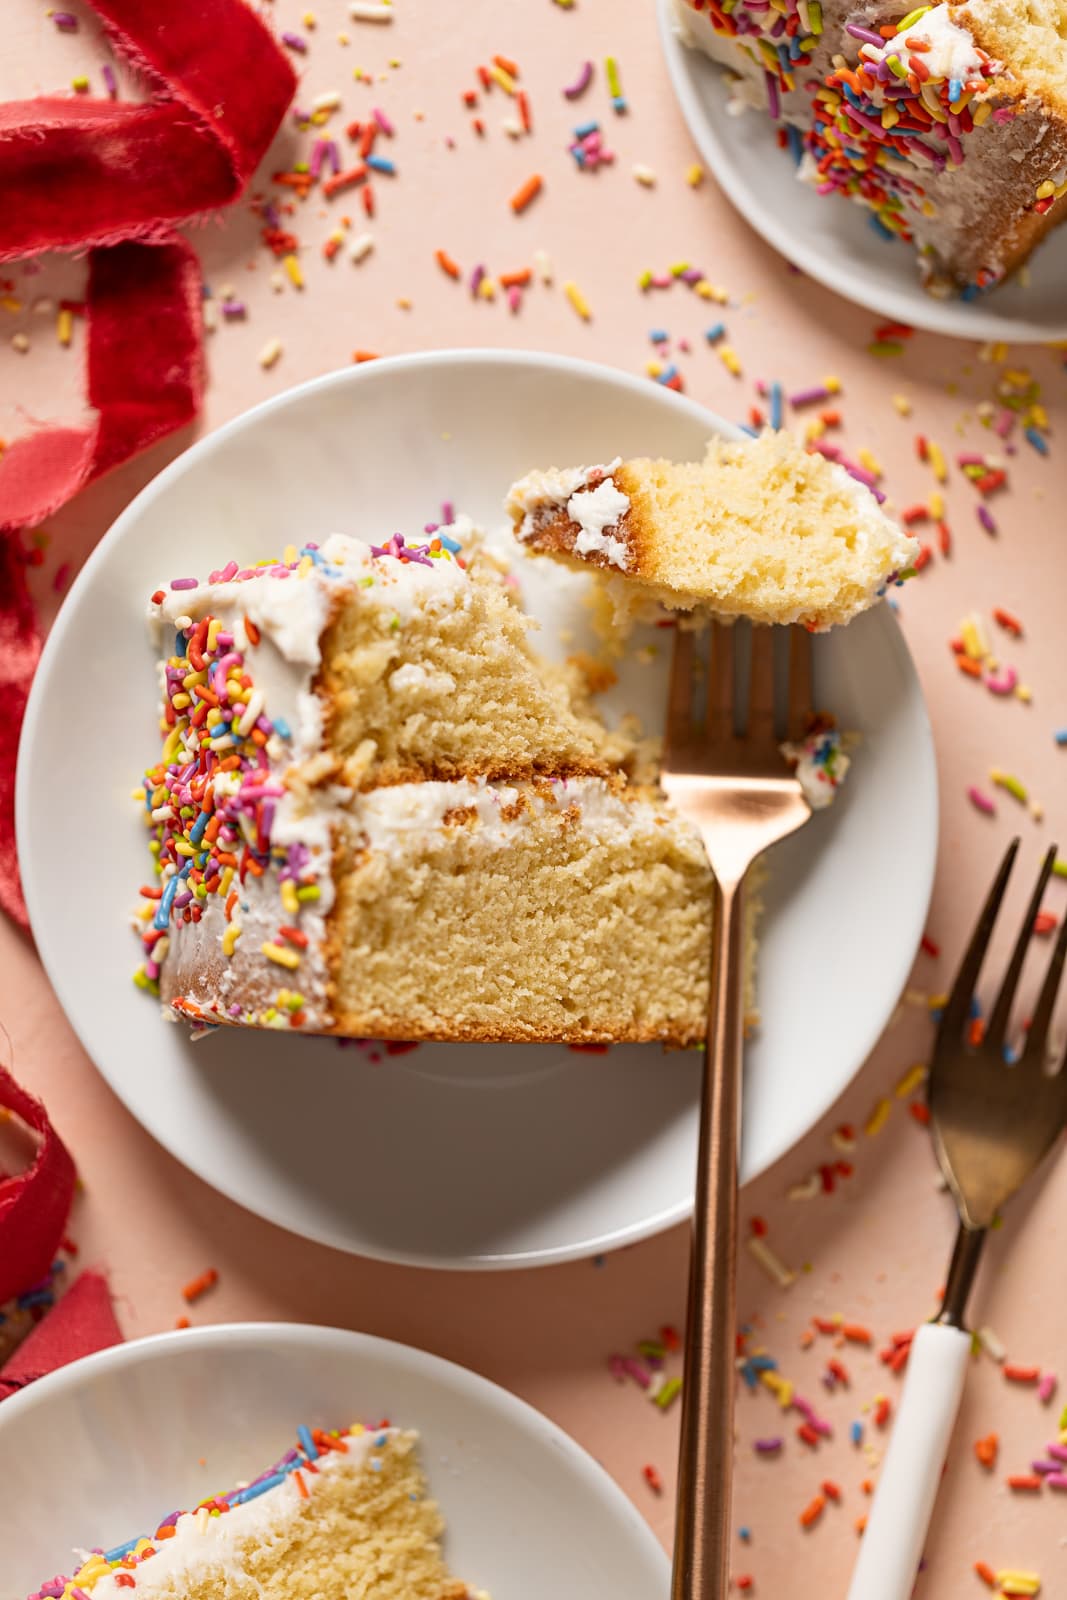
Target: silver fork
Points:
(992, 1123)
(734, 787)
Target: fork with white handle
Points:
(993, 1119)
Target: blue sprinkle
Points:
(375, 1465)
(970, 293)
(1035, 437)
(584, 129)
(619, 104)
(381, 1441)
(879, 227)
(955, 90)
(310, 1447)
(776, 405)
(281, 727)
(578, 155)
(974, 1009)
(196, 833)
(936, 1014)
(715, 332)
(1060, 736)
(180, 642)
(453, 546)
(121, 1550)
(753, 433)
(796, 143)
(382, 164)
(162, 916)
(658, 335)
(254, 1490)
(744, 1534)
(855, 1433)
(668, 373)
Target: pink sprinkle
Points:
(1004, 683)
(636, 1371)
(107, 72)
(617, 1367)
(1057, 1480)
(767, 1447)
(981, 801)
(383, 122)
(59, 582)
(1047, 1387)
(514, 297)
(581, 82)
(986, 519)
(183, 583)
(1057, 1450)
(295, 42)
(476, 278)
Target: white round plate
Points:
(830, 238)
(529, 1513)
(452, 1155)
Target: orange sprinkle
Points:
(857, 1333)
(967, 664)
(1017, 1374)
(812, 1512)
(860, 1523)
(183, 1322)
(344, 180)
(976, 1032)
(359, 356)
(1006, 621)
(515, 280)
(529, 191)
(301, 1485)
(445, 262)
(231, 901)
(831, 1490)
(986, 1573)
(165, 1533)
(253, 638)
(921, 1113)
(652, 1478)
(1024, 1480)
(198, 1286)
(507, 66)
(986, 1449)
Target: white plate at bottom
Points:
(100, 1451)
(453, 1155)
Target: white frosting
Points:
(551, 487)
(393, 820)
(595, 511)
(952, 51)
(873, 525)
(203, 1545)
(810, 758)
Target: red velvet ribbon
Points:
(35, 1204)
(115, 177)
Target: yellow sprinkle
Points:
(230, 935)
(1024, 693)
(577, 300)
(293, 272)
(644, 175)
(729, 358)
(280, 955)
(1045, 190)
(870, 462)
(653, 368)
(833, 384)
(180, 701)
(878, 1118)
(290, 904)
(937, 505)
(678, 267)
(184, 848)
(974, 642)
(1019, 1582)
(64, 325)
(80, 85)
(225, 881)
(694, 176)
(1004, 780)
(505, 80)
(937, 461)
(902, 405)
(487, 289)
(913, 1079)
(270, 353)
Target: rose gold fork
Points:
(734, 787)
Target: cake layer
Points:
(342, 1516)
(574, 910)
(949, 121)
(761, 529)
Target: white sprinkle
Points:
(361, 246)
(806, 1190)
(277, 281)
(991, 1344)
(776, 1269)
(44, 306)
(270, 352)
(644, 175)
(20, 343)
(512, 127)
(359, 12)
(542, 265)
(211, 314)
(329, 100)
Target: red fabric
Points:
(80, 1323)
(35, 1204)
(115, 176)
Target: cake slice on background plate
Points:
(342, 1514)
(759, 529)
(949, 121)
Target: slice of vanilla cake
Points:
(342, 1514)
(376, 813)
(948, 121)
(760, 529)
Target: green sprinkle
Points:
(671, 1389)
(611, 68)
(309, 891)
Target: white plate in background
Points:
(529, 1513)
(452, 1155)
(830, 238)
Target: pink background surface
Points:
(876, 1249)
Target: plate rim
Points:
(921, 313)
(489, 1261)
(516, 1411)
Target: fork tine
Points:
(761, 684)
(680, 693)
(801, 693)
(1037, 1038)
(959, 999)
(998, 1022)
(721, 679)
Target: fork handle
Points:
(705, 1465)
(893, 1539)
